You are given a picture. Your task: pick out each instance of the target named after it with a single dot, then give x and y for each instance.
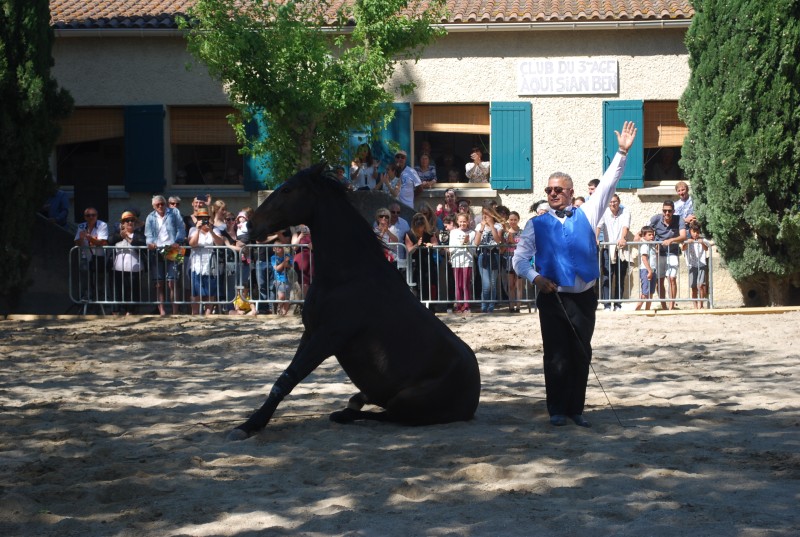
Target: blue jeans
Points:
(265, 275)
(489, 269)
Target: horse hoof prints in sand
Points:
(419, 374)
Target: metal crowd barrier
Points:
(105, 284)
(97, 285)
(432, 278)
(619, 281)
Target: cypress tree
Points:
(30, 105)
(742, 153)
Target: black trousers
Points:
(567, 358)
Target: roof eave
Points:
(661, 24)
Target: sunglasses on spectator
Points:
(129, 221)
(383, 216)
(399, 157)
(557, 189)
(175, 203)
(395, 212)
(230, 219)
(668, 211)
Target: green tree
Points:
(307, 72)
(742, 153)
(30, 105)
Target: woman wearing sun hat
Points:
(204, 262)
(128, 264)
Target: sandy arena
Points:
(116, 428)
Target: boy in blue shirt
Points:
(281, 261)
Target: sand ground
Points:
(116, 427)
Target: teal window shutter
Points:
(256, 171)
(144, 148)
(399, 129)
(615, 113)
(354, 139)
(511, 143)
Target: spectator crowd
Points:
(454, 258)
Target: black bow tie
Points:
(565, 212)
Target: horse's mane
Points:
(331, 193)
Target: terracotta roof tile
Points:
(145, 14)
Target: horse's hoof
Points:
(343, 416)
(236, 435)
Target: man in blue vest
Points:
(562, 241)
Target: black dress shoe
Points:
(558, 420)
(580, 420)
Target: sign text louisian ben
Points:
(567, 76)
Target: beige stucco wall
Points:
(459, 68)
(118, 71)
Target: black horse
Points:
(360, 310)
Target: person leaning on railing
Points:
(128, 264)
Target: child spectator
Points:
(696, 248)
(281, 260)
(511, 238)
(646, 258)
(461, 257)
(446, 277)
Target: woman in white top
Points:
(364, 169)
(204, 263)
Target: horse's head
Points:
(295, 202)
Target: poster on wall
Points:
(567, 76)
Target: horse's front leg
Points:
(311, 352)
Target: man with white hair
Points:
(164, 230)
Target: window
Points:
(663, 137)
(91, 148)
(656, 151)
(204, 147)
(448, 132)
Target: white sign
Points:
(567, 76)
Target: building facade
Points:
(537, 91)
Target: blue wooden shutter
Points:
(511, 153)
(615, 113)
(399, 129)
(256, 170)
(144, 148)
(354, 139)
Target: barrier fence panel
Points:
(274, 278)
(620, 281)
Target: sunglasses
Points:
(175, 204)
(383, 216)
(668, 211)
(128, 221)
(399, 157)
(230, 220)
(557, 189)
(395, 212)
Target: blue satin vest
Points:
(564, 250)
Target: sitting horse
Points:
(360, 310)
